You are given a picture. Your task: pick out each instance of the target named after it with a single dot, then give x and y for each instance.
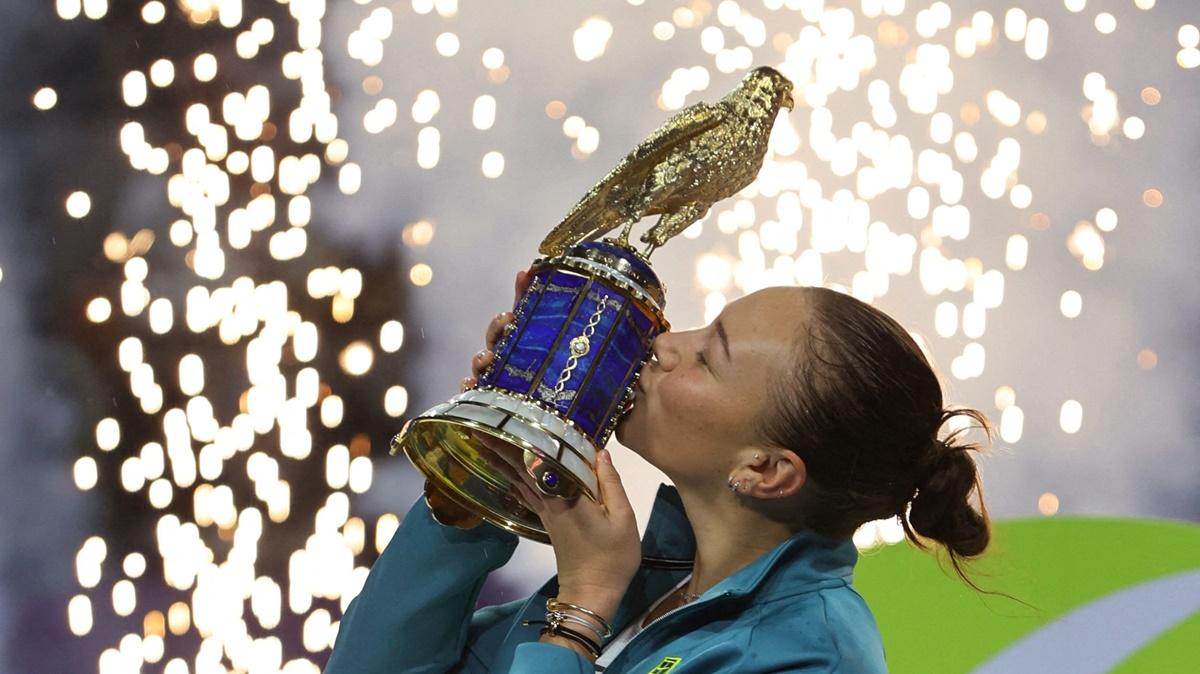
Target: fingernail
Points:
(605, 456)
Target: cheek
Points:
(689, 404)
(681, 410)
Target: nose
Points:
(663, 351)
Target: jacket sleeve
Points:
(415, 611)
(535, 657)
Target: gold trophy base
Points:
(473, 466)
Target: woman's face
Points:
(698, 399)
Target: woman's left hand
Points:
(596, 547)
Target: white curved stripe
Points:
(1101, 634)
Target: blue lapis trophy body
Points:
(562, 377)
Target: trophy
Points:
(565, 368)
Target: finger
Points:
(524, 278)
(467, 382)
(517, 461)
(531, 499)
(508, 459)
(517, 479)
(481, 360)
(611, 487)
(496, 327)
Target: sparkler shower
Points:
(250, 220)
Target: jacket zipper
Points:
(673, 614)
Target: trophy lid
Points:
(624, 263)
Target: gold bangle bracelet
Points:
(559, 617)
(554, 604)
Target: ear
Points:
(784, 471)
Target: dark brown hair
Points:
(862, 407)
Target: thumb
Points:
(611, 486)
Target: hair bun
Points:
(942, 510)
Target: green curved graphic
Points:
(931, 622)
(1165, 654)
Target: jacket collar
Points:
(804, 562)
(668, 533)
(801, 563)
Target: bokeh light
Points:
(895, 171)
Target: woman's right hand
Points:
(445, 510)
(481, 360)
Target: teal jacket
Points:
(791, 610)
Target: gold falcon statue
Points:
(702, 154)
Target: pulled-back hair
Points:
(862, 407)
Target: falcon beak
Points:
(788, 100)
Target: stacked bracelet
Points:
(557, 617)
(553, 604)
(568, 633)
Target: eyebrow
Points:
(724, 339)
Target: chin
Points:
(623, 433)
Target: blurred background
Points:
(241, 243)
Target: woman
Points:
(793, 418)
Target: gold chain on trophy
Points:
(579, 348)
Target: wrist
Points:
(602, 602)
(567, 643)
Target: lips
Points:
(650, 364)
(641, 380)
